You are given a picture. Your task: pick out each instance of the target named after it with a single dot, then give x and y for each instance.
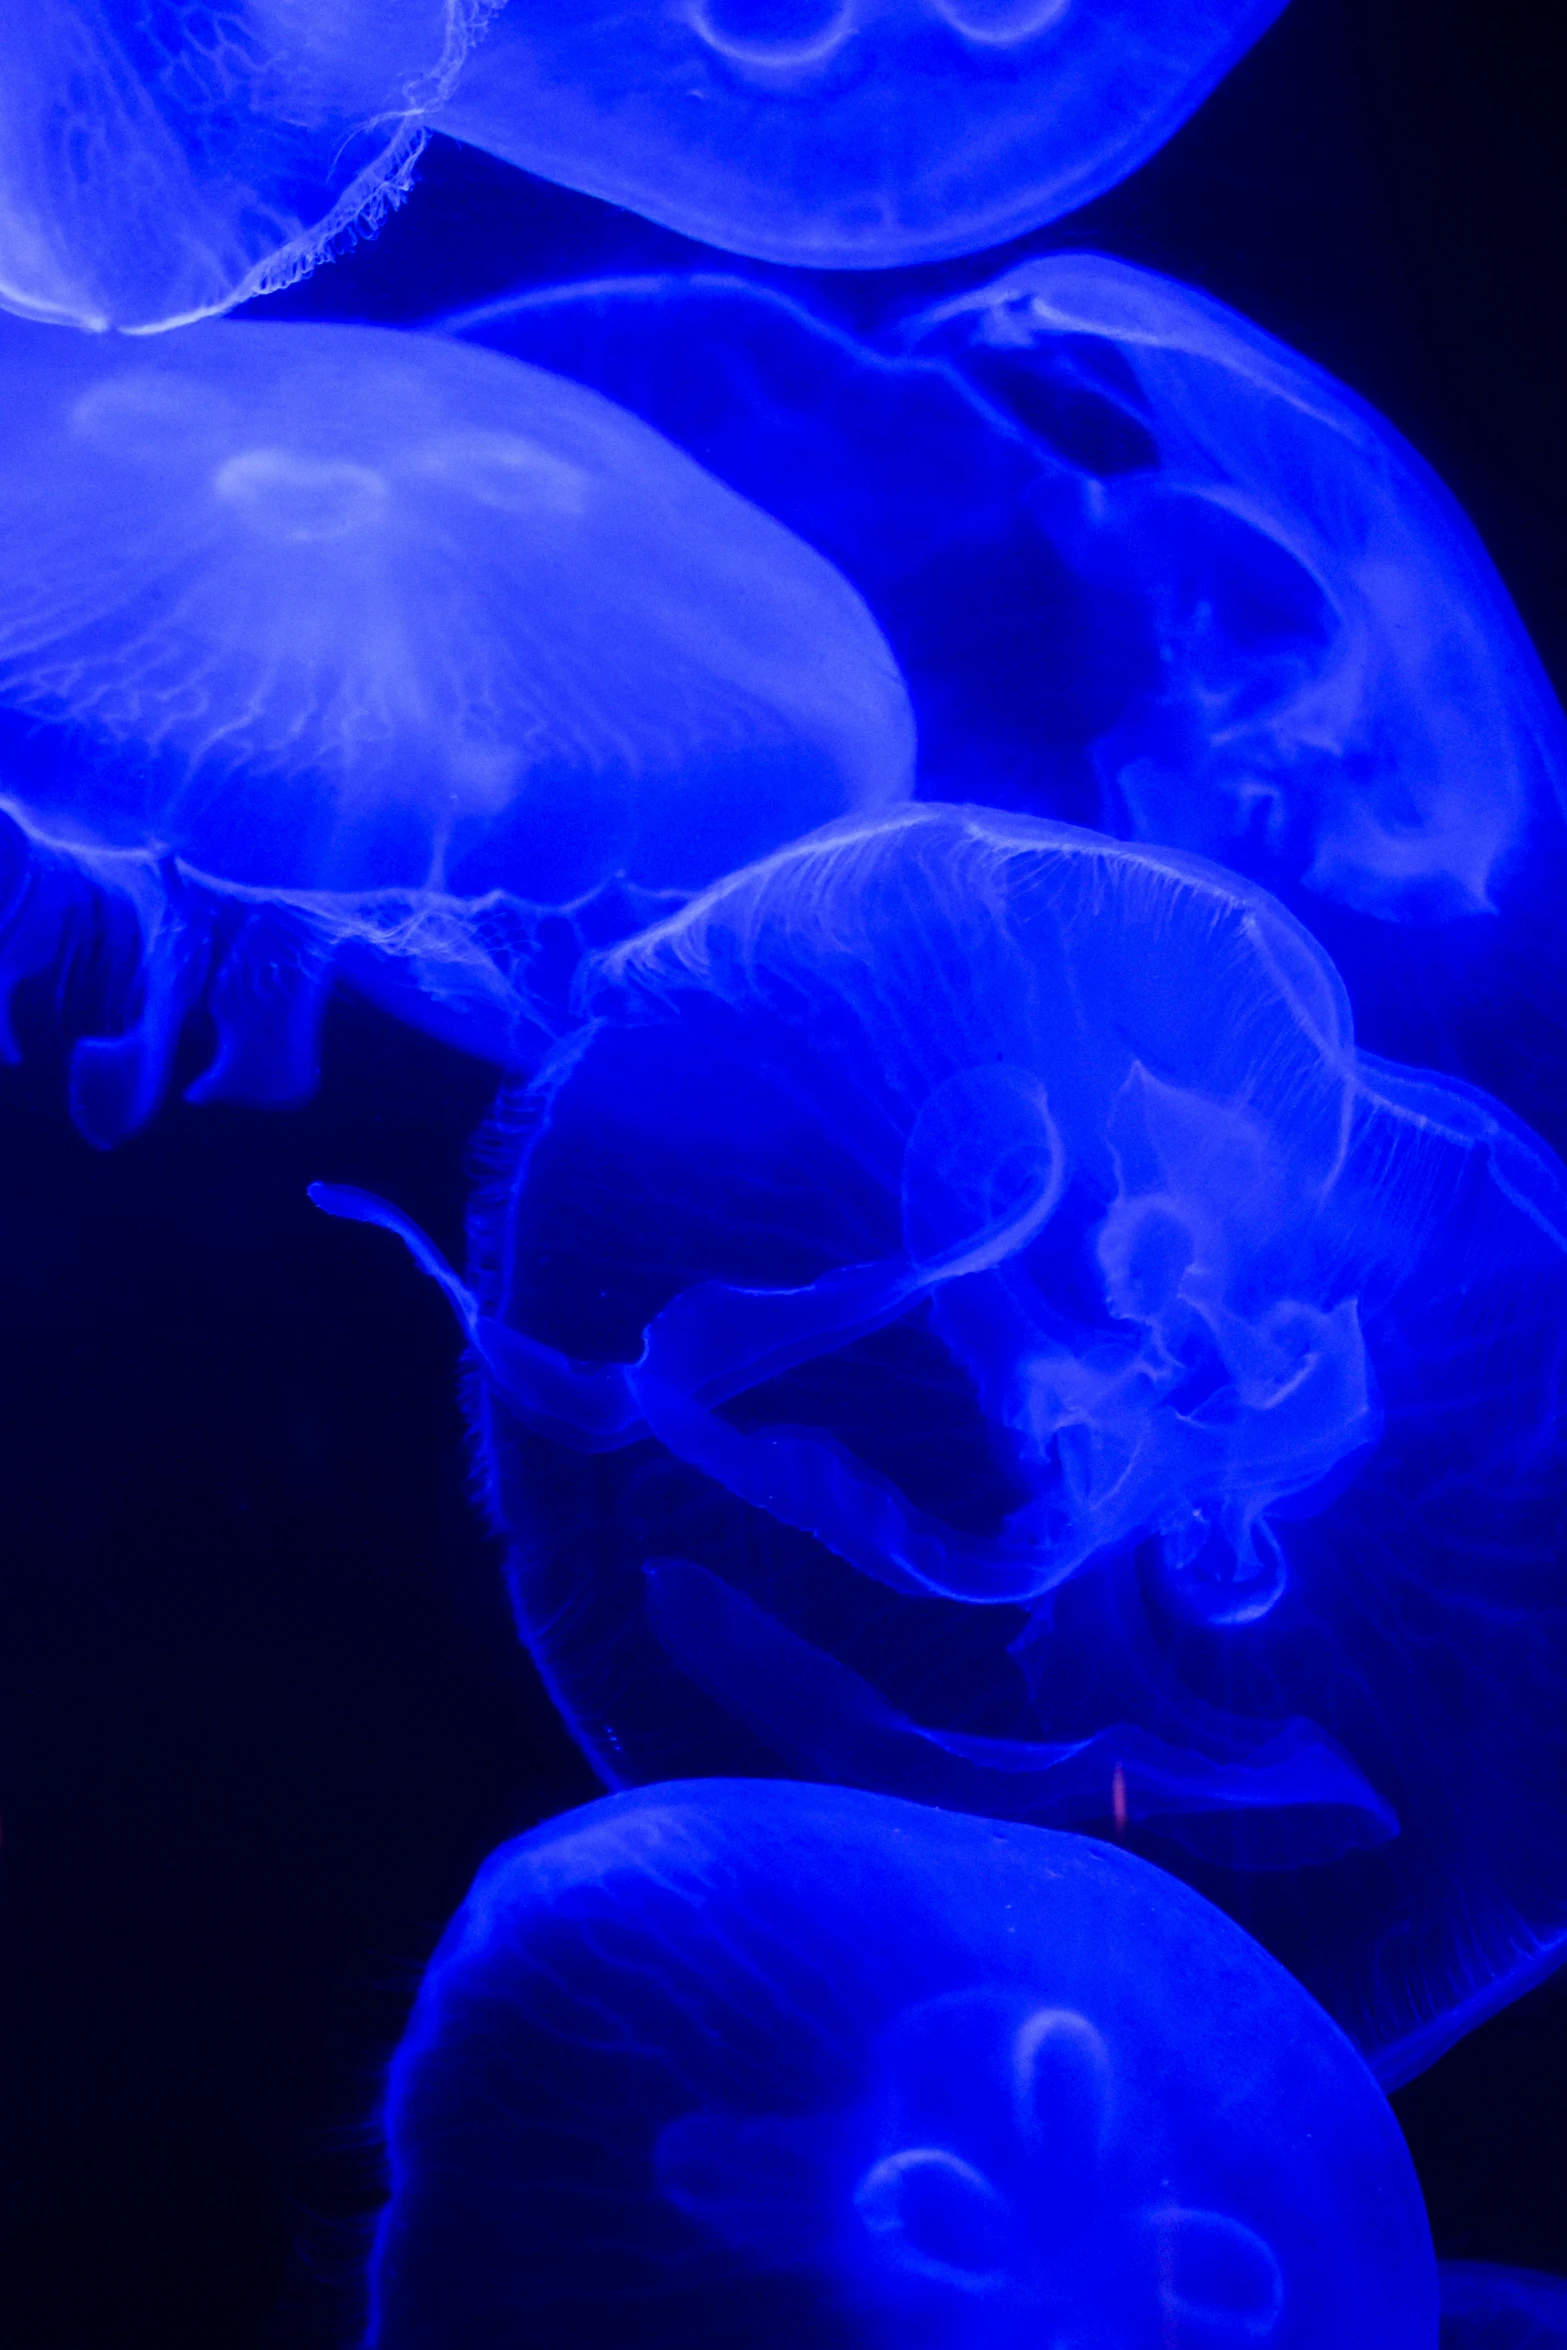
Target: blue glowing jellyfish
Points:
(961, 1318)
(1487, 2308)
(159, 164)
(845, 134)
(1339, 697)
(775, 2064)
(1342, 694)
(326, 645)
(1146, 570)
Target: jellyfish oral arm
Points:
(346, 1201)
(588, 1406)
(714, 1342)
(1119, 1467)
(810, 1482)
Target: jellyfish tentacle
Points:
(118, 1081)
(36, 918)
(588, 1406)
(353, 1206)
(266, 1003)
(709, 1344)
(713, 1342)
(810, 1482)
(257, 669)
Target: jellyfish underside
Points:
(1280, 742)
(962, 1317)
(828, 2066)
(983, 2175)
(1343, 698)
(1218, 1379)
(845, 133)
(1284, 1397)
(381, 639)
(160, 165)
(1285, 1388)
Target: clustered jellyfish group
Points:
(1018, 1325)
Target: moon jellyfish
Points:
(158, 164)
(1343, 695)
(1501, 2308)
(327, 647)
(845, 134)
(734, 2063)
(961, 1318)
(1148, 571)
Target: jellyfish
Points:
(961, 1317)
(845, 134)
(159, 165)
(1343, 696)
(324, 647)
(1485, 2308)
(772, 2063)
(1145, 570)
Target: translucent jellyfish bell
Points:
(845, 134)
(779, 2064)
(1177, 585)
(1343, 695)
(325, 635)
(963, 1319)
(157, 165)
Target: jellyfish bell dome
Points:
(1147, 571)
(1344, 700)
(962, 1318)
(319, 612)
(159, 165)
(769, 2063)
(331, 607)
(845, 134)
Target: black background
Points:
(261, 1709)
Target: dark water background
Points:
(261, 1711)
